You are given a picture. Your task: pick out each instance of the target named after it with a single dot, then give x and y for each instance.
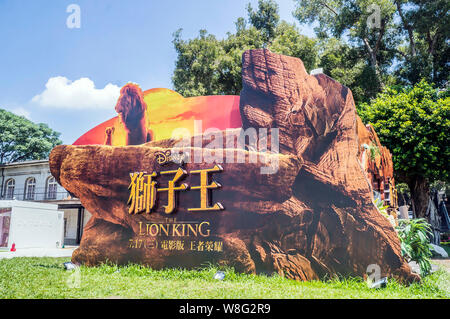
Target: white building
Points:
(32, 181)
(28, 224)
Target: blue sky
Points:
(118, 42)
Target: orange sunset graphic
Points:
(166, 111)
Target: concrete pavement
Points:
(39, 252)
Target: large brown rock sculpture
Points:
(312, 217)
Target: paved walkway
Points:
(443, 263)
(39, 252)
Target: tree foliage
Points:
(352, 19)
(345, 64)
(209, 66)
(409, 43)
(21, 139)
(425, 53)
(414, 123)
(265, 19)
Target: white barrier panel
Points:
(34, 225)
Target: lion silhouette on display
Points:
(131, 109)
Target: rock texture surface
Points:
(381, 166)
(312, 218)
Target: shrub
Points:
(413, 234)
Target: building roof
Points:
(24, 163)
(27, 204)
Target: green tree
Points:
(409, 37)
(265, 19)
(345, 64)
(414, 123)
(21, 139)
(289, 41)
(208, 66)
(353, 20)
(424, 24)
(197, 66)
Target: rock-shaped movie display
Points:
(296, 202)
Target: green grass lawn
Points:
(47, 278)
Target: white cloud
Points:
(60, 92)
(21, 112)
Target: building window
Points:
(30, 188)
(9, 189)
(52, 187)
